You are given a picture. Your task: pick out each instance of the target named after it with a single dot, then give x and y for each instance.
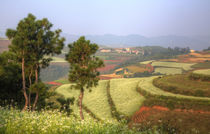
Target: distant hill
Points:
(133, 40)
(197, 43)
(4, 43)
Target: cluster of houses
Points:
(123, 50)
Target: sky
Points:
(119, 17)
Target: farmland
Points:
(97, 101)
(168, 71)
(123, 93)
(146, 85)
(185, 66)
(202, 65)
(181, 84)
(203, 71)
(135, 69)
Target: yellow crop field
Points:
(203, 71)
(168, 71)
(135, 69)
(185, 66)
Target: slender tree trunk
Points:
(80, 103)
(35, 101)
(29, 96)
(24, 83)
(37, 92)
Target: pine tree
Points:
(83, 66)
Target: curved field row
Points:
(97, 101)
(203, 72)
(146, 84)
(125, 96)
(185, 66)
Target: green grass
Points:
(168, 71)
(185, 66)
(123, 92)
(183, 85)
(203, 71)
(146, 85)
(97, 101)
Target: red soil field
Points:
(145, 112)
(107, 67)
(54, 83)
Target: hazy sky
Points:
(120, 17)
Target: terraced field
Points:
(168, 71)
(69, 93)
(146, 84)
(126, 99)
(97, 101)
(203, 71)
(185, 66)
(124, 95)
(123, 92)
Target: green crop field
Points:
(203, 71)
(146, 84)
(185, 66)
(123, 93)
(97, 101)
(125, 96)
(67, 92)
(168, 71)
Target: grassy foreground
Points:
(55, 122)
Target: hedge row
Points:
(114, 112)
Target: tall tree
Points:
(83, 66)
(32, 41)
(47, 43)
